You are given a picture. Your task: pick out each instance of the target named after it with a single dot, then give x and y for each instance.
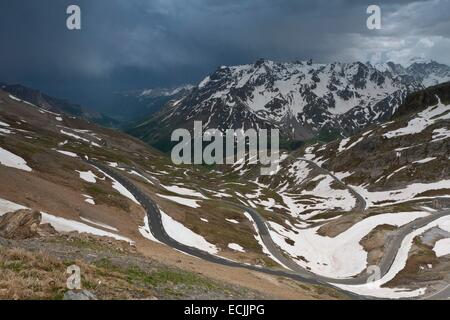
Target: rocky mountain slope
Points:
(43, 159)
(331, 211)
(304, 100)
(135, 105)
(57, 105)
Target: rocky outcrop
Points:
(23, 224)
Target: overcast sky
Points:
(131, 44)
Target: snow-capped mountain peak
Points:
(419, 60)
(303, 99)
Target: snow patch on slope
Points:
(88, 176)
(7, 206)
(423, 120)
(184, 191)
(186, 236)
(11, 160)
(389, 197)
(183, 201)
(236, 247)
(66, 225)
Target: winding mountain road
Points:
(296, 272)
(158, 231)
(393, 246)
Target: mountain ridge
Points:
(58, 105)
(305, 100)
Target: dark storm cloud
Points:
(139, 43)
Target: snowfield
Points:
(186, 236)
(236, 247)
(133, 172)
(68, 153)
(342, 144)
(120, 188)
(423, 120)
(287, 83)
(4, 131)
(184, 191)
(300, 170)
(72, 135)
(66, 225)
(183, 201)
(89, 199)
(440, 134)
(338, 257)
(322, 198)
(145, 231)
(220, 194)
(442, 247)
(425, 160)
(11, 160)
